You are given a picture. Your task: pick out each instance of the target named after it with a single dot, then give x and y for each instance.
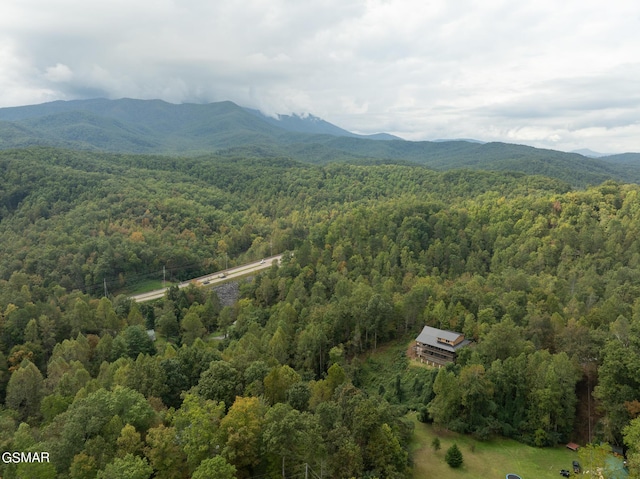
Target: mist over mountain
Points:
(314, 125)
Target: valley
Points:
(530, 254)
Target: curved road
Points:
(214, 278)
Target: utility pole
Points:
(105, 287)
(164, 276)
(589, 402)
(306, 471)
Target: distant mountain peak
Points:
(589, 153)
(308, 123)
(158, 127)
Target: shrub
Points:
(453, 456)
(435, 444)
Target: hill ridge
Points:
(131, 125)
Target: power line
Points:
(87, 288)
(305, 470)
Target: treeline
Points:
(544, 280)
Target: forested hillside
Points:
(157, 127)
(544, 278)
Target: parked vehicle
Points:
(576, 467)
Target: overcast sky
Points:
(558, 74)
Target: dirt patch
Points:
(586, 415)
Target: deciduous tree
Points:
(216, 467)
(25, 389)
(240, 432)
(128, 467)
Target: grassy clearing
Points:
(380, 367)
(160, 342)
(214, 336)
(143, 287)
(484, 460)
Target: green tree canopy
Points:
(216, 467)
(454, 456)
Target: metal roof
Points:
(430, 336)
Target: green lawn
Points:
(214, 335)
(143, 287)
(485, 460)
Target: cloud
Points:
(538, 72)
(58, 73)
(19, 79)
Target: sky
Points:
(561, 75)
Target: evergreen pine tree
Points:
(453, 456)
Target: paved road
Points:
(212, 279)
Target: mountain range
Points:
(158, 127)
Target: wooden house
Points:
(438, 347)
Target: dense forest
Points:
(543, 277)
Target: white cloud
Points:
(18, 79)
(58, 73)
(544, 73)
